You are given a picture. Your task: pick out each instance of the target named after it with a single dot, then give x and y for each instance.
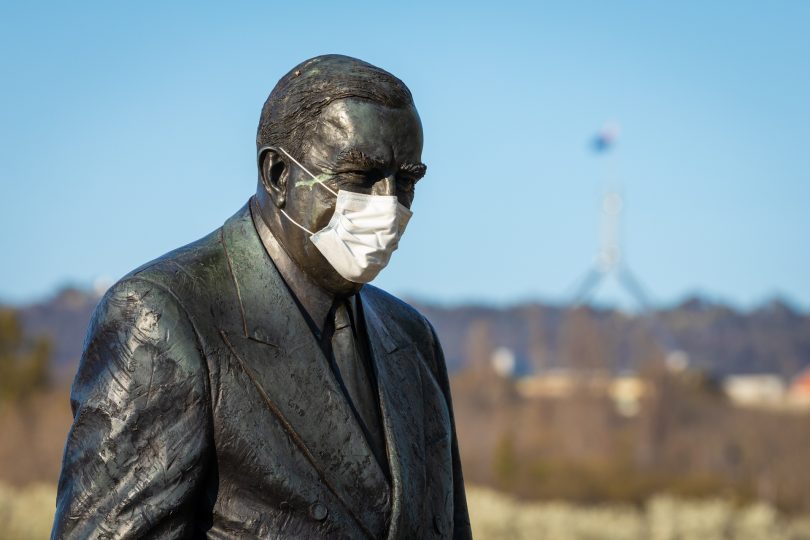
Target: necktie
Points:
(354, 373)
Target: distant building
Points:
(768, 391)
(626, 391)
(756, 390)
(503, 362)
(554, 383)
(799, 392)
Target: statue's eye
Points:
(354, 177)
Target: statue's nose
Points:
(386, 186)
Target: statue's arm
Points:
(461, 517)
(136, 455)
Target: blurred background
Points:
(611, 241)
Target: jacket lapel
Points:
(396, 363)
(276, 348)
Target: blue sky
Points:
(127, 129)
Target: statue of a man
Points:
(250, 385)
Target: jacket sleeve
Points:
(461, 517)
(135, 456)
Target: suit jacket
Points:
(204, 407)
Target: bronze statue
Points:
(250, 385)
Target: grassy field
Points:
(26, 513)
(496, 516)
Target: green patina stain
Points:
(308, 183)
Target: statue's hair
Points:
(294, 105)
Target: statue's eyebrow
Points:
(359, 159)
(416, 170)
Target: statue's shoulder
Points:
(188, 263)
(171, 287)
(196, 271)
(189, 284)
(406, 318)
(389, 305)
(412, 326)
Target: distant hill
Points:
(774, 338)
(63, 318)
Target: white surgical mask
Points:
(363, 233)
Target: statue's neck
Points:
(315, 300)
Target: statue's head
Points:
(351, 125)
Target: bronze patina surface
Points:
(208, 402)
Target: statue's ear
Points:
(273, 172)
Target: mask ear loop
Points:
(309, 173)
(296, 223)
(320, 182)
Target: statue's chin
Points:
(339, 286)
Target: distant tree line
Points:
(717, 339)
(24, 361)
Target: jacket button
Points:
(318, 511)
